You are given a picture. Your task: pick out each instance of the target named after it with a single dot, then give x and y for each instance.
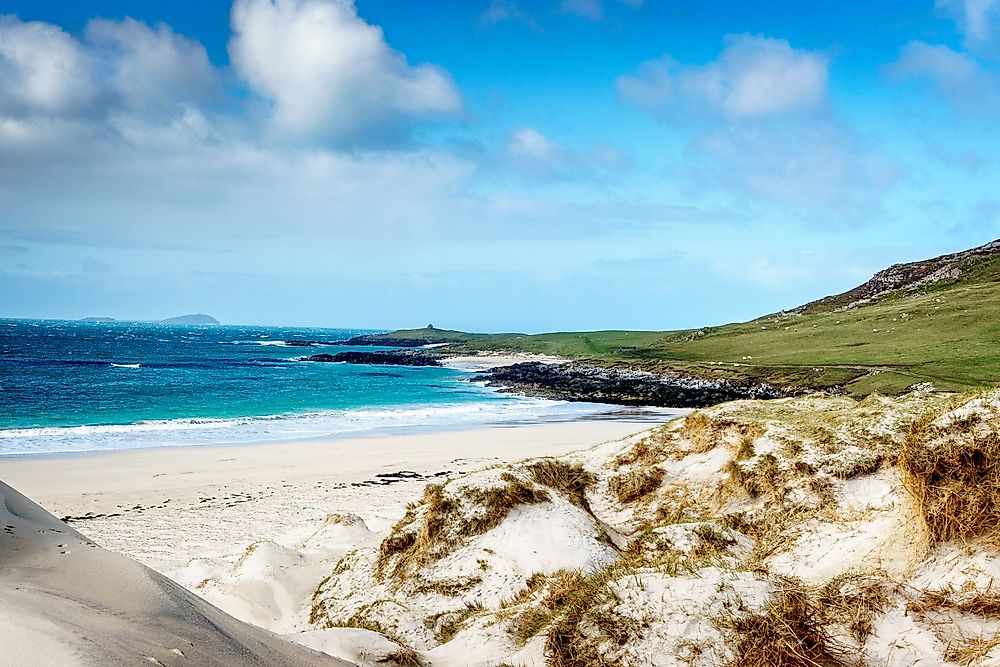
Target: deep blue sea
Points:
(88, 386)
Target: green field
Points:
(948, 334)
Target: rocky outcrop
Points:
(583, 382)
(908, 277)
(388, 358)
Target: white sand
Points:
(191, 514)
(174, 504)
(66, 601)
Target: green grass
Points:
(948, 335)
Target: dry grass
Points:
(855, 601)
(407, 548)
(497, 502)
(968, 652)
(558, 589)
(317, 612)
(758, 476)
(414, 546)
(648, 451)
(571, 640)
(698, 428)
(448, 624)
(405, 657)
(978, 603)
(953, 472)
(634, 485)
(790, 633)
(569, 479)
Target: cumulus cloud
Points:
(330, 74)
(52, 83)
(977, 19)
(753, 77)
(43, 70)
(151, 67)
(959, 77)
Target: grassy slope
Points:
(948, 335)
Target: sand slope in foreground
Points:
(66, 601)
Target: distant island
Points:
(195, 318)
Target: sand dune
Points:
(66, 601)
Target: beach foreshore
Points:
(167, 506)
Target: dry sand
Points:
(166, 506)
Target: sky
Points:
(489, 165)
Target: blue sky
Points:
(487, 164)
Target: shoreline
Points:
(158, 431)
(121, 495)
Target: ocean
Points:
(90, 386)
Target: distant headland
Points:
(195, 318)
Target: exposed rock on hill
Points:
(908, 277)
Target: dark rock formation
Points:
(582, 382)
(389, 358)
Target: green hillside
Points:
(946, 332)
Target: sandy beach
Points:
(166, 506)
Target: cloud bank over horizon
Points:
(327, 162)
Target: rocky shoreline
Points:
(581, 382)
(387, 358)
(622, 386)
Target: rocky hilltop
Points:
(910, 277)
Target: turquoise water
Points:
(84, 386)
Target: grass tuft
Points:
(790, 633)
(635, 484)
(569, 479)
(408, 548)
(953, 472)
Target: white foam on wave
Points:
(267, 343)
(114, 365)
(276, 428)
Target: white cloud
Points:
(527, 142)
(540, 159)
(978, 20)
(43, 70)
(752, 77)
(959, 77)
(150, 67)
(52, 83)
(806, 165)
(330, 74)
